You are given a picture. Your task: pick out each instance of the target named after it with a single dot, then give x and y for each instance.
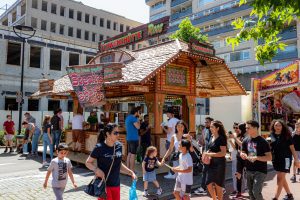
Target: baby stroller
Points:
(197, 158)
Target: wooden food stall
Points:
(172, 69)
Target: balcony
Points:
(181, 14)
(283, 55)
(289, 33)
(219, 14)
(177, 2)
(173, 28)
(220, 30)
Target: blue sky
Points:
(132, 9)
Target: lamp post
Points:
(23, 32)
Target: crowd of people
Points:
(248, 150)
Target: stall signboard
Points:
(88, 81)
(285, 76)
(46, 85)
(176, 76)
(138, 88)
(140, 33)
(200, 47)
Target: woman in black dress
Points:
(216, 151)
(282, 149)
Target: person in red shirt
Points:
(9, 132)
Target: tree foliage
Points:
(269, 19)
(187, 31)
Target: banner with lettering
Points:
(88, 81)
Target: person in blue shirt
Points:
(132, 124)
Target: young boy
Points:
(184, 180)
(9, 132)
(296, 142)
(60, 167)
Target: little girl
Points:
(149, 174)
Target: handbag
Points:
(206, 159)
(97, 186)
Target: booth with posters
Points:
(277, 96)
(155, 75)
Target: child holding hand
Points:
(149, 174)
(184, 180)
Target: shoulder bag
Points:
(97, 186)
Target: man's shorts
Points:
(132, 146)
(8, 137)
(183, 188)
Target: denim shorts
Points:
(149, 176)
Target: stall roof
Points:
(213, 79)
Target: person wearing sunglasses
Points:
(108, 153)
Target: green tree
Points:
(271, 17)
(187, 31)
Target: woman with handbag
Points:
(180, 133)
(215, 158)
(108, 153)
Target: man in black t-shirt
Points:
(145, 133)
(256, 151)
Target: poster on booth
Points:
(286, 76)
(88, 81)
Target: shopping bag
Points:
(132, 191)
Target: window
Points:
(35, 57)
(158, 16)
(44, 6)
(241, 55)
(73, 59)
(70, 106)
(10, 103)
(78, 33)
(86, 35)
(62, 11)
(121, 28)
(13, 53)
(87, 18)
(101, 37)
(158, 5)
(53, 104)
(34, 22)
(71, 13)
(115, 26)
(94, 37)
(127, 28)
(61, 29)
(34, 4)
(44, 25)
(204, 2)
(88, 59)
(33, 105)
(79, 14)
(94, 20)
(202, 106)
(55, 60)
(70, 31)
(101, 22)
(53, 27)
(53, 8)
(108, 24)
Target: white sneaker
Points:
(200, 191)
(145, 193)
(159, 191)
(45, 164)
(170, 176)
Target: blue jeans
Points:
(35, 140)
(46, 142)
(56, 138)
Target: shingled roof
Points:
(148, 61)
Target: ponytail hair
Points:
(106, 130)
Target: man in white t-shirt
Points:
(77, 133)
(171, 127)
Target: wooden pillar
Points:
(191, 103)
(185, 110)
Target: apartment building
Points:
(214, 18)
(67, 34)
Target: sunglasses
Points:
(116, 133)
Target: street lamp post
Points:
(29, 33)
